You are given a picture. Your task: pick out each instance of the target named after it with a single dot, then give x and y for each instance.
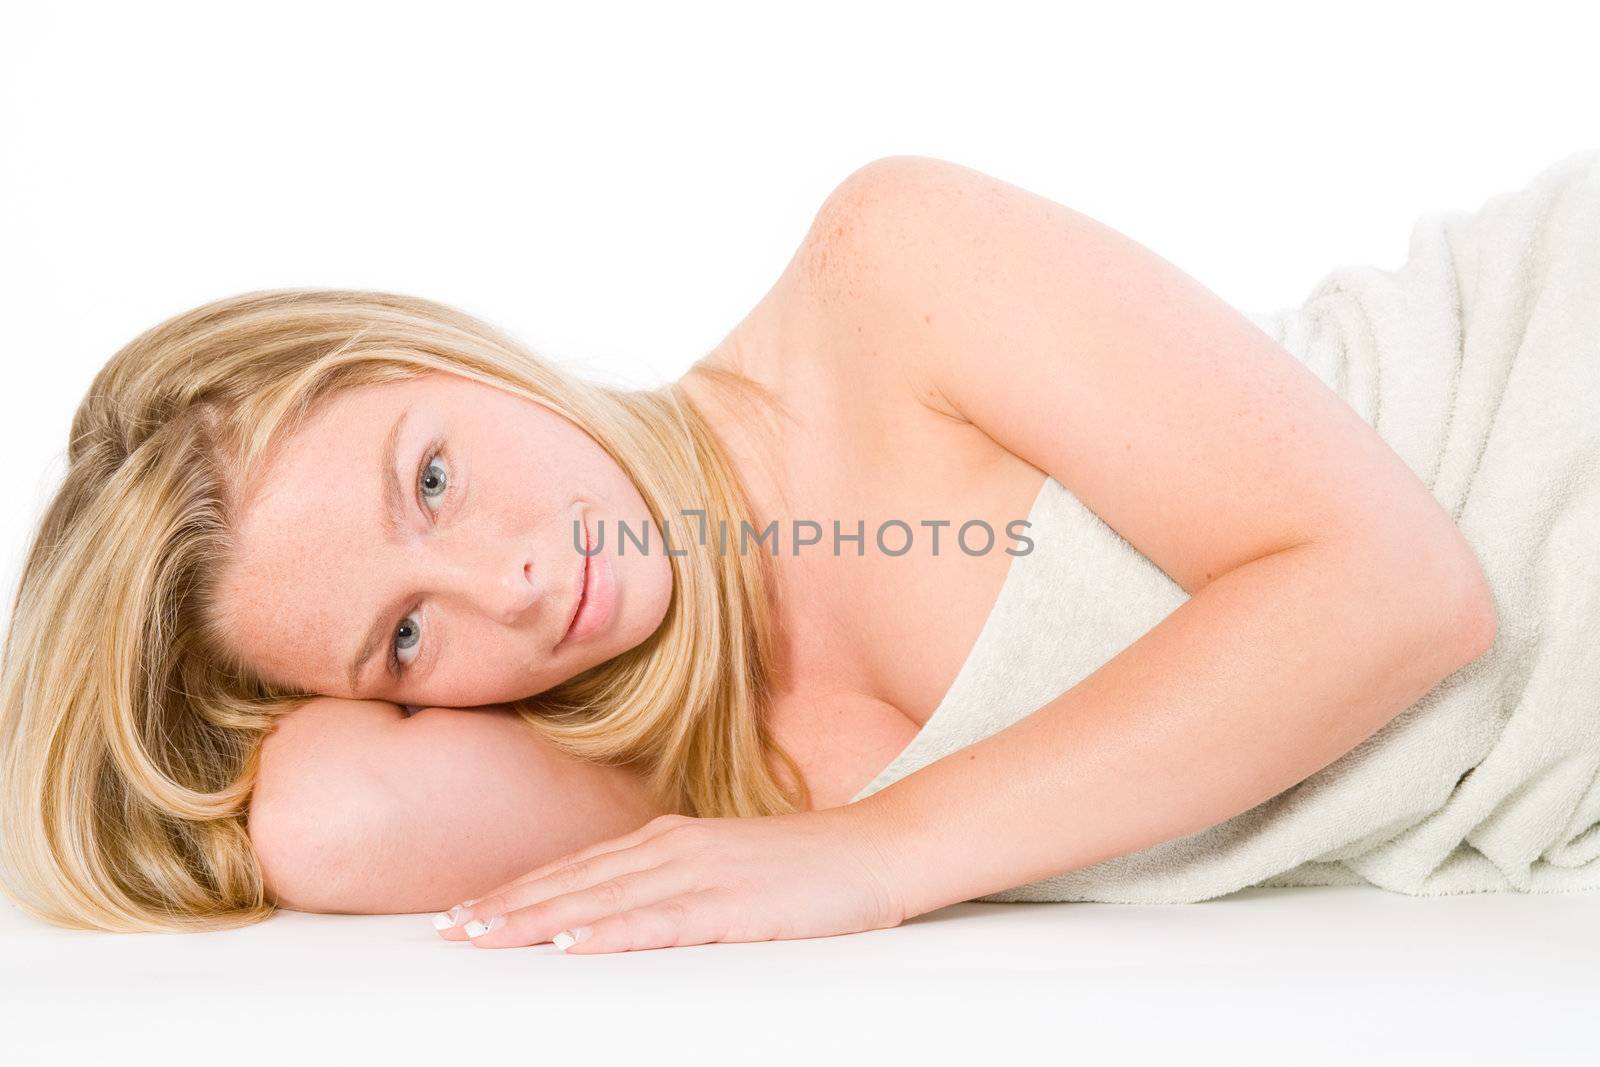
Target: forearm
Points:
(358, 809)
(1263, 677)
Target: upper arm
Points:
(358, 808)
(1190, 432)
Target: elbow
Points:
(1471, 620)
(321, 812)
(1441, 589)
(1483, 626)
(313, 862)
(316, 846)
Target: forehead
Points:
(348, 427)
(310, 537)
(336, 447)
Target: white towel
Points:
(1478, 361)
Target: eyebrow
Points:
(393, 500)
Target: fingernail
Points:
(567, 938)
(476, 928)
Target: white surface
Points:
(1306, 975)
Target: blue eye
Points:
(433, 480)
(407, 636)
(433, 484)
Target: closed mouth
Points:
(583, 584)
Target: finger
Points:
(612, 844)
(449, 923)
(697, 918)
(563, 882)
(585, 907)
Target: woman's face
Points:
(447, 568)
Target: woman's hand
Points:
(679, 880)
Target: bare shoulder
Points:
(827, 347)
(840, 339)
(824, 324)
(856, 238)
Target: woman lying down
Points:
(989, 549)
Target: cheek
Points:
(649, 593)
(484, 667)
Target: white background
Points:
(617, 185)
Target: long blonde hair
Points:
(130, 737)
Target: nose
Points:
(515, 589)
(500, 583)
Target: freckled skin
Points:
(485, 570)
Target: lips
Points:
(583, 583)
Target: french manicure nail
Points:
(477, 928)
(567, 938)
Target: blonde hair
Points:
(130, 736)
